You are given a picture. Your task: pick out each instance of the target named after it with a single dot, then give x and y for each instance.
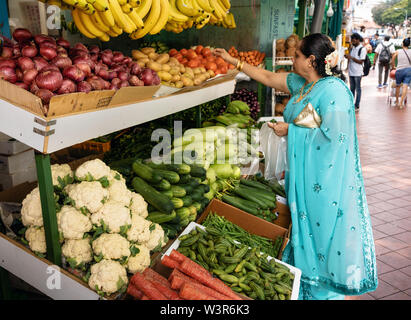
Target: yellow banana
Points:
(122, 2)
(119, 16)
(73, 3)
(223, 9)
(79, 24)
(135, 3)
(116, 29)
(196, 6)
(130, 27)
(213, 18)
(144, 8)
(233, 24)
(112, 34)
(205, 5)
(162, 20)
(126, 8)
(89, 9)
(82, 4)
(175, 14)
(184, 7)
(54, 3)
(151, 20)
(104, 37)
(99, 5)
(136, 18)
(226, 4)
(227, 20)
(99, 23)
(107, 17)
(217, 9)
(89, 25)
(203, 22)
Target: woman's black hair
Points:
(406, 42)
(320, 46)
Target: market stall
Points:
(117, 224)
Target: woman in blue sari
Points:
(331, 238)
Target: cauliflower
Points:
(108, 276)
(140, 261)
(72, 223)
(157, 239)
(77, 252)
(31, 213)
(138, 205)
(113, 214)
(89, 195)
(92, 170)
(140, 230)
(36, 238)
(115, 175)
(62, 175)
(111, 246)
(119, 192)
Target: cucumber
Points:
(250, 196)
(152, 196)
(185, 178)
(160, 217)
(197, 195)
(197, 205)
(193, 210)
(183, 213)
(197, 171)
(164, 185)
(193, 182)
(170, 176)
(178, 203)
(188, 188)
(179, 168)
(255, 184)
(145, 172)
(150, 208)
(187, 200)
(168, 193)
(203, 187)
(178, 191)
(262, 194)
(238, 203)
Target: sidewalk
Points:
(384, 135)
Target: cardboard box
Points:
(10, 146)
(17, 162)
(284, 215)
(9, 180)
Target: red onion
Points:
(94, 57)
(25, 63)
(29, 76)
(84, 60)
(127, 60)
(117, 68)
(29, 51)
(135, 81)
(61, 51)
(94, 49)
(103, 74)
(96, 83)
(50, 67)
(106, 59)
(112, 74)
(61, 62)
(21, 34)
(50, 80)
(108, 52)
(116, 82)
(113, 87)
(63, 43)
(40, 38)
(39, 63)
(7, 52)
(74, 73)
(156, 79)
(19, 74)
(48, 53)
(67, 86)
(34, 87)
(8, 63)
(80, 46)
(117, 56)
(147, 75)
(84, 67)
(48, 43)
(123, 76)
(45, 95)
(8, 74)
(107, 84)
(135, 68)
(84, 86)
(16, 51)
(22, 85)
(124, 84)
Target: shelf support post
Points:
(198, 116)
(5, 289)
(48, 208)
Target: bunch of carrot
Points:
(253, 57)
(187, 281)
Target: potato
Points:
(137, 54)
(290, 52)
(148, 50)
(188, 75)
(166, 67)
(203, 69)
(280, 47)
(165, 76)
(174, 71)
(207, 75)
(173, 61)
(163, 58)
(154, 66)
(199, 80)
(179, 84)
(211, 73)
(187, 82)
(291, 43)
(190, 71)
(182, 68)
(175, 78)
(143, 62)
(197, 71)
(153, 56)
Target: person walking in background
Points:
(375, 42)
(383, 54)
(356, 58)
(403, 59)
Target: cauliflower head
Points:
(140, 261)
(89, 195)
(157, 238)
(31, 213)
(36, 238)
(78, 251)
(113, 214)
(92, 170)
(115, 175)
(138, 205)
(107, 276)
(119, 192)
(111, 246)
(72, 223)
(61, 175)
(140, 230)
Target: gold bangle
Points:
(238, 65)
(241, 66)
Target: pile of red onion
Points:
(47, 67)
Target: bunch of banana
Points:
(158, 46)
(228, 22)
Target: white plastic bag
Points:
(275, 153)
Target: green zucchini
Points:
(197, 171)
(185, 178)
(262, 194)
(203, 187)
(163, 185)
(197, 195)
(152, 196)
(183, 213)
(255, 184)
(241, 204)
(178, 191)
(179, 168)
(145, 172)
(193, 182)
(168, 193)
(187, 200)
(188, 188)
(178, 203)
(160, 217)
(250, 196)
(170, 176)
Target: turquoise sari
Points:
(331, 238)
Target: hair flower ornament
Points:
(330, 62)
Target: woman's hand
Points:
(220, 52)
(280, 128)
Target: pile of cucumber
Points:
(174, 192)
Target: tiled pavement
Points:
(384, 135)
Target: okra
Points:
(230, 268)
(230, 260)
(244, 286)
(239, 267)
(258, 290)
(241, 252)
(190, 241)
(250, 266)
(229, 278)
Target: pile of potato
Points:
(286, 47)
(170, 70)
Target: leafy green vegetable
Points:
(134, 251)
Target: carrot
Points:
(177, 272)
(207, 280)
(170, 262)
(178, 256)
(150, 273)
(134, 292)
(165, 290)
(190, 292)
(146, 287)
(181, 258)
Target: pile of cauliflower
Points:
(101, 224)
